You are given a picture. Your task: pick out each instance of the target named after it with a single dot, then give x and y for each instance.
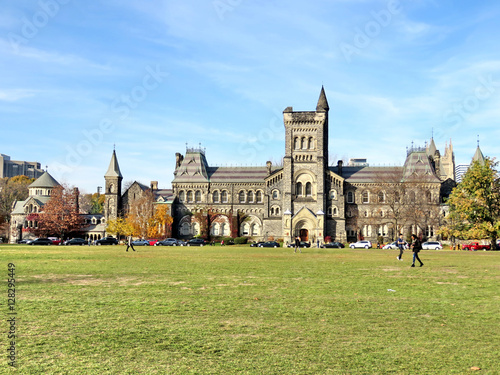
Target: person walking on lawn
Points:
(129, 243)
(297, 244)
(416, 246)
(401, 245)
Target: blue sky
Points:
(79, 78)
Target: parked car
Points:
(361, 244)
(168, 242)
(473, 246)
(76, 241)
(270, 244)
(27, 242)
(140, 243)
(196, 242)
(107, 241)
(333, 245)
(392, 245)
(432, 245)
(256, 244)
(302, 244)
(55, 240)
(152, 241)
(41, 241)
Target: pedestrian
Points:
(89, 241)
(297, 244)
(129, 243)
(222, 243)
(401, 245)
(416, 245)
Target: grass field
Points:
(242, 310)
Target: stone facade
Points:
(304, 197)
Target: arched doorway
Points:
(304, 235)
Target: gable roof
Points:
(418, 167)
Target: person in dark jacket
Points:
(297, 244)
(401, 245)
(416, 246)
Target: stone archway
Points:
(303, 228)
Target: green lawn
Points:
(243, 310)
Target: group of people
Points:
(416, 246)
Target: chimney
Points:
(269, 165)
(76, 194)
(339, 167)
(154, 185)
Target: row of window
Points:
(219, 229)
(303, 143)
(381, 197)
(221, 196)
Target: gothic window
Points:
(366, 213)
(254, 231)
(304, 143)
(329, 212)
(215, 229)
(311, 143)
(190, 196)
(181, 196)
(224, 196)
(250, 197)
(185, 229)
(333, 194)
(246, 229)
(272, 211)
(381, 197)
(335, 212)
(365, 198)
(224, 229)
(296, 143)
(242, 196)
(350, 197)
(308, 189)
(277, 211)
(298, 189)
(198, 196)
(215, 196)
(276, 194)
(258, 196)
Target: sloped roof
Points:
(322, 102)
(478, 156)
(193, 168)
(237, 174)
(418, 166)
(370, 174)
(44, 181)
(431, 148)
(114, 168)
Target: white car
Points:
(361, 245)
(393, 246)
(432, 245)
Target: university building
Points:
(302, 197)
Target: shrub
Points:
(241, 240)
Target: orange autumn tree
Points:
(140, 212)
(60, 214)
(160, 224)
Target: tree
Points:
(119, 227)
(160, 224)
(60, 214)
(11, 190)
(139, 215)
(92, 203)
(475, 204)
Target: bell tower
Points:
(113, 189)
(304, 166)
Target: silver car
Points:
(361, 245)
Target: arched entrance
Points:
(304, 235)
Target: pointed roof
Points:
(114, 168)
(431, 148)
(193, 168)
(44, 181)
(322, 102)
(478, 156)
